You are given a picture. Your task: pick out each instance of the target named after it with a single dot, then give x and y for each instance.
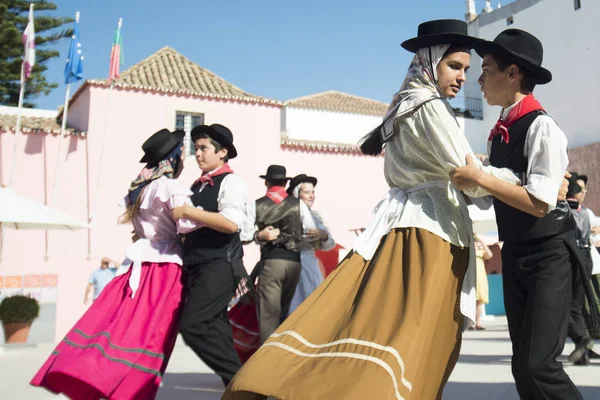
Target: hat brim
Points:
(275, 177)
(413, 45)
(174, 141)
(541, 74)
(305, 179)
(217, 136)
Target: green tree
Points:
(13, 19)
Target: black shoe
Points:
(581, 349)
(584, 360)
(593, 355)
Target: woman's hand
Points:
(315, 234)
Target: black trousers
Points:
(577, 325)
(537, 278)
(204, 323)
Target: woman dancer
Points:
(120, 348)
(387, 323)
(303, 187)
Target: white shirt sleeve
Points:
(546, 151)
(450, 147)
(232, 199)
(248, 228)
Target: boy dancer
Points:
(213, 255)
(538, 233)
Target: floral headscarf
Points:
(165, 167)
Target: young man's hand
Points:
(268, 234)
(564, 187)
(180, 212)
(466, 177)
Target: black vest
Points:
(515, 225)
(205, 244)
(285, 217)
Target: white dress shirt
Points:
(232, 199)
(547, 160)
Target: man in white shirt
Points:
(538, 256)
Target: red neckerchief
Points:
(208, 176)
(524, 107)
(277, 194)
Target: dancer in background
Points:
(120, 348)
(318, 238)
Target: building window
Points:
(510, 21)
(577, 4)
(186, 121)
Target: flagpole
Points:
(95, 204)
(63, 128)
(17, 129)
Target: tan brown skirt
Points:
(385, 329)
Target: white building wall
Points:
(571, 40)
(327, 126)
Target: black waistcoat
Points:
(515, 225)
(285, 217)
(205, 244)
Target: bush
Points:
(19, 309)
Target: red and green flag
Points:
(116, 54)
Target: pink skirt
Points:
(120, 348)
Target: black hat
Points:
(160, 144)
(441, 31)
(275, 172)
(298, 179)
(518, 47)
(574, 187)
(584, 178)
(218, 133)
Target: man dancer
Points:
(538, 233)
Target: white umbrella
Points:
(19, 212)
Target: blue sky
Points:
(277, 49)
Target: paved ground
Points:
(483, 372)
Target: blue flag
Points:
(74, 67)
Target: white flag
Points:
(29, 44)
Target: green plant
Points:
(19, 309)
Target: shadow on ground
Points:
(186, 386)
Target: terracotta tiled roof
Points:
(8, 123)
(342, 102)
(168, 71)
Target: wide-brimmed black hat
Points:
(160, 144)
(218, 133)
(441, 31)
(520, 48)
(298, 179)
(584, 178)
(276, 172)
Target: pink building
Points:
(315, 135)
